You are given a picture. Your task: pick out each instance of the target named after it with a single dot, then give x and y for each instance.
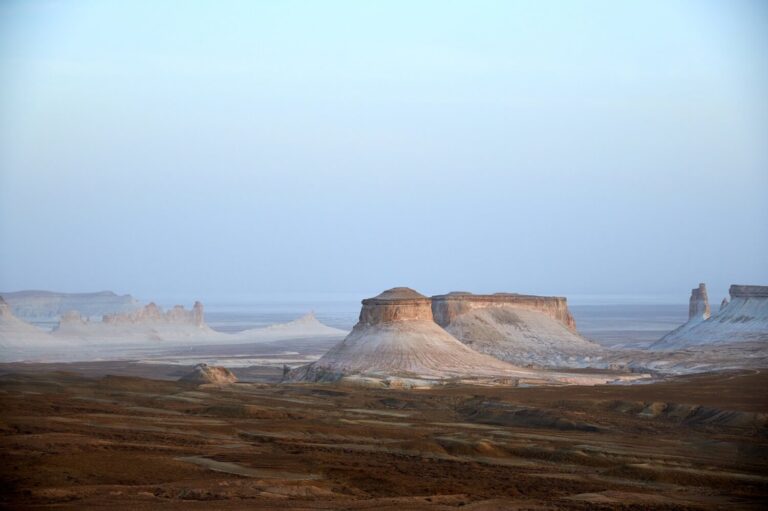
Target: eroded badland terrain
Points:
(74, 442)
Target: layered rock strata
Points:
(698, 305)
(743, 319)
(522, 329)
(396, 335)
(446, 308)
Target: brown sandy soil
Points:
(75, 442)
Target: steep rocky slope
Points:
(522, 329)
(743, 319)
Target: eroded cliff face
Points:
(522, 329)
(397, 336)
(698, 305)
(742, 291)
(446, 308)
(741, 320)
(396, 304)
(153, 314)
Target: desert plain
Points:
(74, 436)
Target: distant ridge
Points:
(46, 306)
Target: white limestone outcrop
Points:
(521, 329)
(742, 320)
(396, 337)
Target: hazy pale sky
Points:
(215, 148)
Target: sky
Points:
(231, 148)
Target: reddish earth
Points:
(76, 442)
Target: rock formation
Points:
(522, 329)
(147, 324)
(396, 335)
(724, 303)
(447, 307)
(153, 314)
(743, 319)
(698, 305)
(203, 373)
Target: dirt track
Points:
(71, 442)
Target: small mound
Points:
(203, 373)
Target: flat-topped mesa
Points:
(742, 291)
(447, 307)
(396, 304)
(154, 314)
(396, 336)
(698, 307)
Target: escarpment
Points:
(742, 319)
(522, 329)
(446, 308)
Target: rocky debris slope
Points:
(396, 336)
(203, 373)
(743, 319)
(47, 306)
(522, 329)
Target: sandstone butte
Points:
(397, 336)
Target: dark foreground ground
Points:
(75, 442)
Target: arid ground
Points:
(84, 440)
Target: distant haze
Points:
(232, 148)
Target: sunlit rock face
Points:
(396, 304)
(203, 373)
(396, 336)
(743, 319)
(446, 308)
(522, 329)
(698, 306)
